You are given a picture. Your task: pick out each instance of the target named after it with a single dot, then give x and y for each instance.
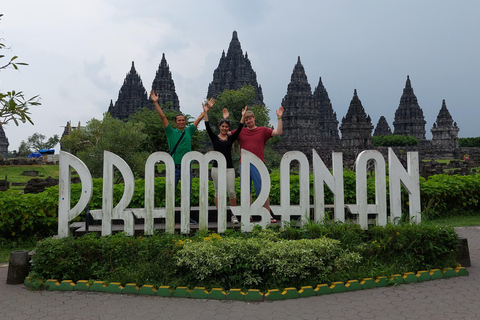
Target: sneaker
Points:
(193, 221)
(235, 219)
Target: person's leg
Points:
(178, 175)
(214, 173)
(232, 197)
(191, 181)
(257, 184)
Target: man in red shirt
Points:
(253, 139)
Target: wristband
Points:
(279, 118)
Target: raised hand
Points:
(279, 112)
(210, 103)
(226, 114)
(153, 96)
(244, 111)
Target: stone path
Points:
(454, 298)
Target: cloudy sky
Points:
(80, 51)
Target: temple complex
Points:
(309, 121)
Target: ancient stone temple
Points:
(165, 87)
(445, 130)
(327, 119)
(356, 126)
(382, 128)
(234, 71)
(131, 98)
(409, 119)
(3, 143)
(300, 129)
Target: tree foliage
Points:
(394, 140)
(125, 139)
(235, 101)
(156, 139)
(36, 142)
(13, 104)
(469, 142)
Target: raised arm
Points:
(239, 129)
(210, 104)
(279, 129)
(154, 98)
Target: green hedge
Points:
(394, 140)
(23, 216)
(469, 142)
(264, 259)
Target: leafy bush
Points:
(394, 140)
(23, 216)
(264, 259)
(469, 142)
(444, 195)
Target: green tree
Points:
(394, 140)
(153, 127)
(235, 101)
(13, 105)
(125, 139)
(36, 142)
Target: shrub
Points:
(394, 140)
(263, 259)
(469, 142)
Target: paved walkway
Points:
(454, 298)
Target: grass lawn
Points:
(456, 221)
(15, 173)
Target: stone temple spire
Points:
(165, 87)
(233, 72)
(356, 126)
(327, 119)
(300, 130)
(409, 119)
(382, 128)
(445, 130)
(131, 98)
(3, 143)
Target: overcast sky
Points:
(79, 53)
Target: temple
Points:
(445, 130)
(356, 126)
(382, 128)
(131, 98)
(3, 143)
(233, 72)
(409, 119)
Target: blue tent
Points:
(47, 151)
(34, 155)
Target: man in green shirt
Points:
(174, 134)
(179, 149)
